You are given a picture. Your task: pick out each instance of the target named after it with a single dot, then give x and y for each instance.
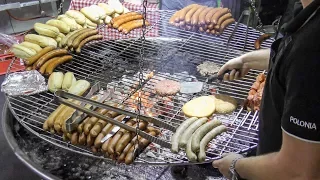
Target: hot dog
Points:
(223, 18)
(195, 16)
(210, 14)
(83, 36)
(92, 121)
(133, 25)
(173, 17)
(65, 39)
(184, 11)
(42, 69)
(218, 14)
(34, 58)
(121, 21)
(88, 39)
(53, 115)
(56, 63)
(142, 144)
(82, 139)
(116, 138)
(74, 138)
(96, 129)
(202, 16)
(81, 126)
(75, 35)
(210, 26)
(190, 13)
(127, 148)
(90, 140)
(105, 131)
(258, 42)
(225, 24)
(104, 147)
(123, 16)
(49, 55)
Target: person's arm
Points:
(241, 65)
(297, 160)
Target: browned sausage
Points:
(258, 42)
(43, 67)
(90, 140)
(225, 24)
(75, 35)
(190, 13)
(92, 121)
(39, 54)
(88, 39)
(202, 16)
(104, 147)
(218, 14)
(210, 26)
(150, 128)
(184, 11)
(213, 31)
(210, 14)
(116, 138)
(203, 28)
(81, 125)
(126, 138)
(124, 20)
(96, 129)
(82, 139)
(127, 148)
(142, 144)
(105, 131)
(54, 64)
(123, 16)
(83, 36)
(133, 25)
(196, 15)
(49, 55)
(74, 138)
(223, 18)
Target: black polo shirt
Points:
(291, 99)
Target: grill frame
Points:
(202, 44)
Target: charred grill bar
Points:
(174, 55)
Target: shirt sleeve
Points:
(301, 113)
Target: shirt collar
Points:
(300, 16)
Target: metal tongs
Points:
(62, 97)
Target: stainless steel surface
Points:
(114, 130)
(174, 55)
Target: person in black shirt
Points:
(289, 122)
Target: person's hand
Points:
(238, 69)
(224, 164)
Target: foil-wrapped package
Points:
(24, 83)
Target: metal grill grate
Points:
(173, 55)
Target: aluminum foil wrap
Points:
(24, 83)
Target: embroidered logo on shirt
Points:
(303, 124)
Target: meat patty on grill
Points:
(167, 87)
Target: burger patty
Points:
(167, 87)
(208, 68)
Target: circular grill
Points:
(174, 55)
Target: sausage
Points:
(34, 58)
(127, 148)
(141, 145)
(121, 21)
(88, 39)
(173, 17)
(210, 14)
(123, 16)
(65, 39)
(188, 27)
(192, 157)
(74, 138)
(208, 31)
(133, 25)
(90, 140)
(96, 129)
(82, 139)
(190, 13)
(150, 128)
(218, 14)
(176, 136)
(184, 11)
(213, 31)
(104, 147)
(42, 69)
(203, 28)
(63, 115)
(225, 24)
(211, 26)
(92, 121)
(83, 36)
(216, 27)
(125, 139)
(190, 130)
(81, 125)
(75, 35)
(45, 126)
(182, 23)
(195, 16)
(105, 131)
(56, 63)
(116, 138)
(49, 55)
(201, 132)
(207, 138)
(54, 114)
(202, 16)
(223, 18)
(258, 42)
